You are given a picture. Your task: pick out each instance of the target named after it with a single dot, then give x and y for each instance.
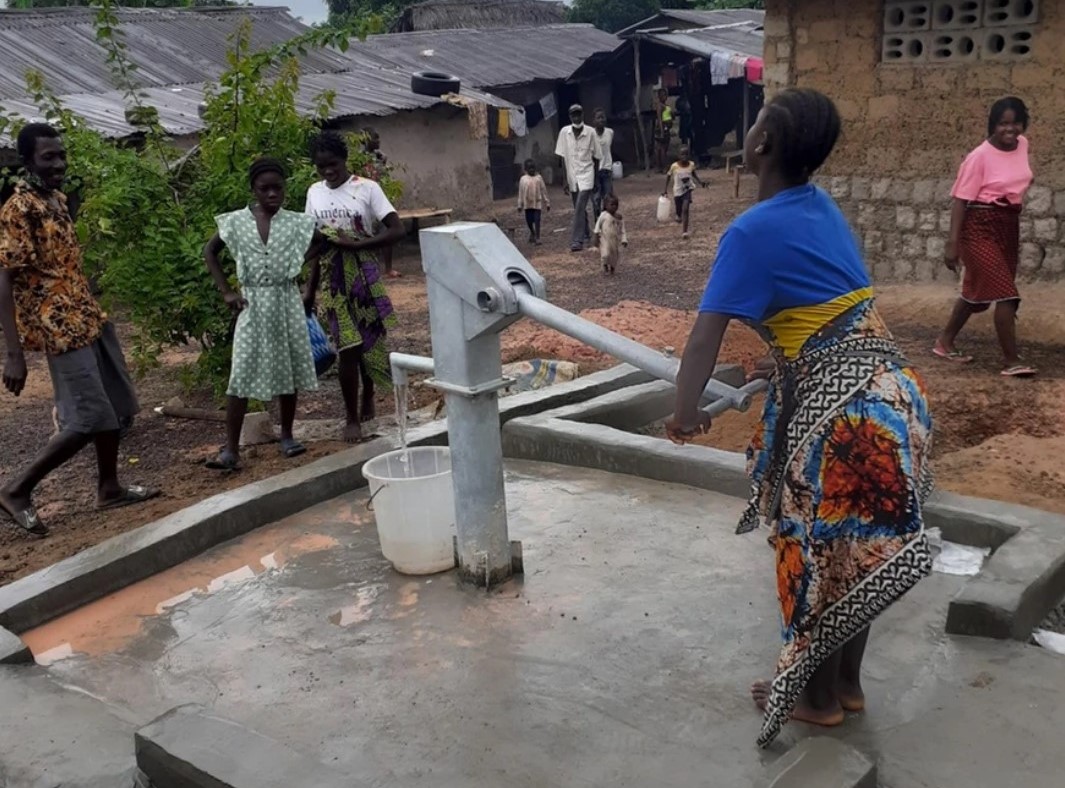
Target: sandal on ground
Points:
(290, 447)
(130, 496)
(225, 461)
(953, 355)
(26, 519)
(1019, 371)
(394, 275)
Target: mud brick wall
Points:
(913, 106)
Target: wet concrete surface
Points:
(621, 659)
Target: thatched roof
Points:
(478, 15)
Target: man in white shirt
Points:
(604, 176)
(578, 147)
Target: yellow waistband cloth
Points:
(792, 327)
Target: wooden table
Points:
(415, 215)
(729, 155)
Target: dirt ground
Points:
(995, 438)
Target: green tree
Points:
(342, 12)
(615, 15)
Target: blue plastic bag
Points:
(321, 348)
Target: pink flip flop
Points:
(1019, 371)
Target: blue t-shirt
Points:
(793, 250)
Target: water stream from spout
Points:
(401, 392)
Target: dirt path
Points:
(996, 438)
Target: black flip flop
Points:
(27, 520)
(225, 461)
(290, 447)
(131, 496)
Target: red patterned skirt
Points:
(990, 250)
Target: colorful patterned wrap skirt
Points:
(354, 308)
(840, 468)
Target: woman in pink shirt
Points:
(985, 233)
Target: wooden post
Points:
(644, 157)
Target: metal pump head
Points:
(482, 270)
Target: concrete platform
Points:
(622, 659)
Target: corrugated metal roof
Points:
(169, 46)
(490, 58)
(676, 19)
(182, 56)
(745, 38)
(369, 92)
(725, 16)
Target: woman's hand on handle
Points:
(696, 367)
(764, 369)
(682, 431)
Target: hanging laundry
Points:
(737, 67)
(549, 105)
(754, 70)
(478, 112)
(518, 126)
(534, 113)
(503, 124)
(719, 65)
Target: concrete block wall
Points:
(903, 225)
(907, 127)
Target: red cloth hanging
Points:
(754, 69)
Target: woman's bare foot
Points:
(851, 696)
(353, 432)
(803, 712)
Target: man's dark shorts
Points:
(93, 390)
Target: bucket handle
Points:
(369, 503)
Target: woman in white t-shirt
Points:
(352, 302)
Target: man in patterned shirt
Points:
(46, 306)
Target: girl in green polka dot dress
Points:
(271, 346)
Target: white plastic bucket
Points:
(665, 209)
(411, 497)
(618, 171)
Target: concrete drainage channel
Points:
(588, 423)
(1023, 580)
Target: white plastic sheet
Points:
(1051, 641)
(955, 559)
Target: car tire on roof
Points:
(433, 83)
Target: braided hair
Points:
(265, 165)
(331, 143)
(1001, 107)
(806, 126)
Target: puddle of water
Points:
(361, 610)
(111, 623)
